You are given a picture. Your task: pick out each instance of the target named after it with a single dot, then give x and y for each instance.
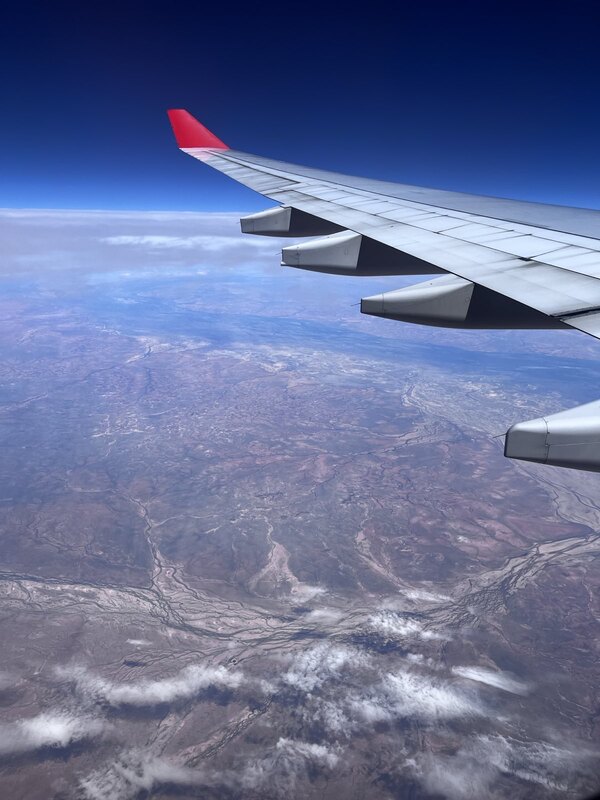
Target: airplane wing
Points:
(505, 263)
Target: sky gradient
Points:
(493, 98)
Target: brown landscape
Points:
(259, 546)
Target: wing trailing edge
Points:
(512, 264)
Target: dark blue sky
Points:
(488, 97)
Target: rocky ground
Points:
(253, 551)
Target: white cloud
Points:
(333, 714)
(422, 595)
(279, 770)
(87, 242)
(212, 243)
(145, 692)
(495, 678)
(303, 592)
(324, 615)
(409, 694)
(346, 689)
(400, 626)
(463, 776)
(312, 668)
(468, 773)
(472, 771)
(49, 729)
(418, 659)
(282, 767)
(133, 773)
(317, 752)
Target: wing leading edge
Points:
(505, 264)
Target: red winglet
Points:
(191, 133)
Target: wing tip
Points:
(191, 133)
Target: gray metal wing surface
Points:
(507, 264)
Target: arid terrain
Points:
(256, 545)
